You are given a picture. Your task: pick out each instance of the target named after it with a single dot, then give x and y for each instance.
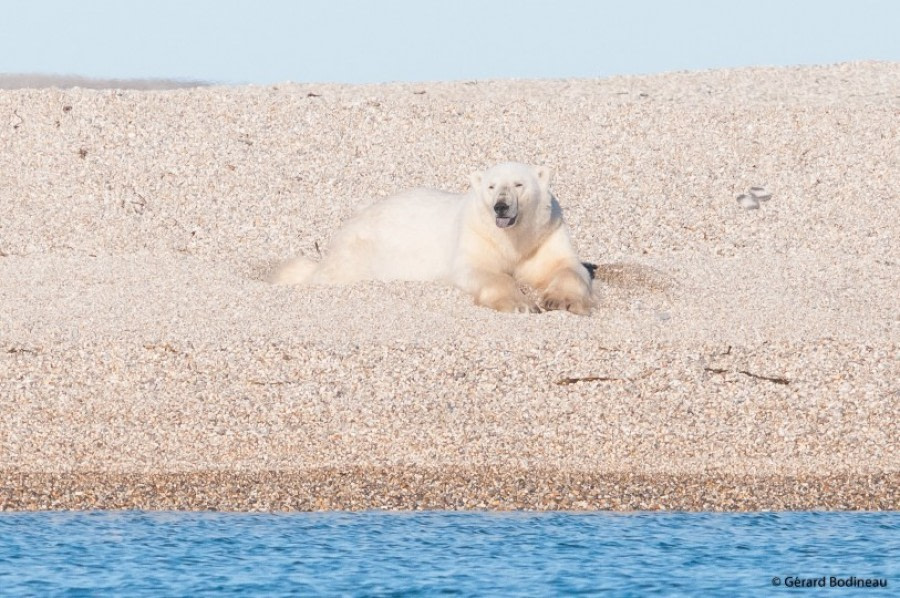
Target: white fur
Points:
(424, 234)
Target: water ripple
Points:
(435, 553)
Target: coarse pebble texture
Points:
(737, 358)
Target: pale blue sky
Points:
(354, 41)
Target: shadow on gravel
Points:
(630, 276)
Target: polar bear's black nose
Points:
(501, 208)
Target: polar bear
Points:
(507, 229)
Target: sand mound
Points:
(739, 358)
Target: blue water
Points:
(413, 554)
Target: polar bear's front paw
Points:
(575, 304)
(501, 293)
(519, 305)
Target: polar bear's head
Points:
(513, 191)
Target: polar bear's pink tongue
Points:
(505, 222)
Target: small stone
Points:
(760, 194)
(748, 202)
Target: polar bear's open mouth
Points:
(506, 222)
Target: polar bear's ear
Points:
(475, 179)
(545, 176)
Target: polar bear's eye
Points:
(491, 187)
(518, 184)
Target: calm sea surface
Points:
(423, 554)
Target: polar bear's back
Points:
(409, 236)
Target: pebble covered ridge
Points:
(744, 226)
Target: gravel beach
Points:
(744, 352)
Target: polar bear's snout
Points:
(506, 209)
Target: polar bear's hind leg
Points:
(295, 271)
(349, 260)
